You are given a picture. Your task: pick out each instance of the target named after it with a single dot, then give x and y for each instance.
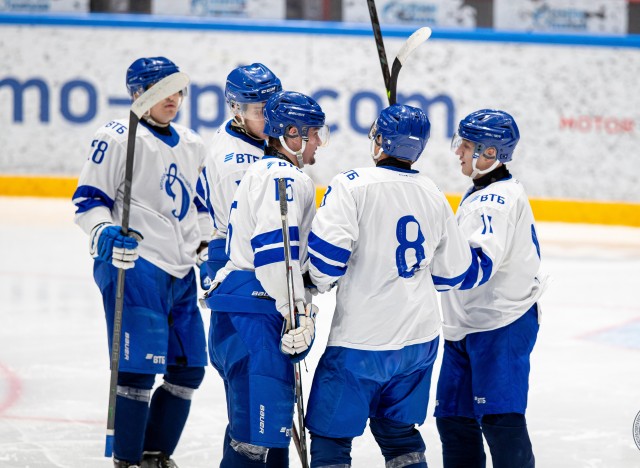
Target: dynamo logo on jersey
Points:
(177, 190)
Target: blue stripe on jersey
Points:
(267, 257)
(468, 279)
(92, 196)
(534, 238)
(326, 269)
(472, 276)
(400, 169)
(170, 140)
(328, 250)
(200, 199)
(274, 237)
(260, 144)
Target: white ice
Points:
(54, 377)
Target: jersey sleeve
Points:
(487, 230)
(267, 241)
(333, 234)
(101, 177)
(457, 264)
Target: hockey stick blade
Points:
(161, 90)
(417, 38)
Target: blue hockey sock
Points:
(170, 407)
(328, 451)
(253, 456)
(131, 419)
(167, 418)
(278, 458)
(399, 442)
(508, 440)
(132, 408)
(462, 445)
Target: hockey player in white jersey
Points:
(388, 237)
(249, 343)
(490, 331)
(162, 329)
(238, 143)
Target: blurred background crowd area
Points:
(554, 16)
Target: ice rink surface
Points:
(54, 377)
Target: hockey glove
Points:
(107, 243)
(201, 263)
(308, 284)
(300, 339)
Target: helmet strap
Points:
(298, 153)
(372, 152)
(147, 117)
(477, 172)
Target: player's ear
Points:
(491, 152)
(292, 132)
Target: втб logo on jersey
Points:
(155, 359)
(177, 190)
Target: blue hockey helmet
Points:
(145, 72)
(291, 109)
(251, 83)
(401, 132)
(489, 128)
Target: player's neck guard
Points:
(499, 173)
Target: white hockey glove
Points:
(107, 243)
(299, 340)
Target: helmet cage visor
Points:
(479, 149)
(323, 133)
(248, 110)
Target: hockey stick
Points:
(417, 38)
(300, 440)
(159, 91)
(382, 55)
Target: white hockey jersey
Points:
(254, 235)
(497, 219)
(165, 173)
(229, 156)
(389, 238)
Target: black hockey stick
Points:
(299, 440)
(161, 90)
(417, 38)
(382, 55)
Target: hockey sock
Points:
(400, 443)
(132, 408)
(244, 455)
(462, 445)
(508, 440)
(170, 407)
(278, 458)
(327, 451)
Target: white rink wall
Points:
(577, 106)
